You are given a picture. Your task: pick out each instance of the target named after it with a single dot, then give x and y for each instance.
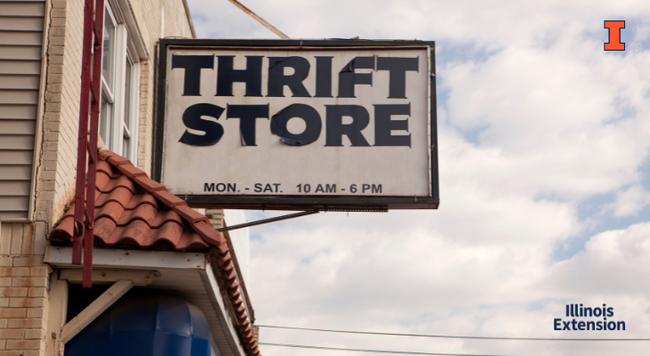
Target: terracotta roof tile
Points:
(132, 172)
(231, 277)
(233, 285)
(169, 199)
(104, 166)
(229, 268)
(130, 211)
(121, 195)
(190, 240)
(225, 261)
(135, 211)
(149, 184)
(116, 159)
(171, 232)
(166, 216)
(234, 294)
(240, 311)
(209, 234)
(104, 228)
(101, 179)
(144, 212)
(64, 229)
(191, 214)
(121, 181)
(136, 200)
(111, 209)
(140, 232)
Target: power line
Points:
(443, 336)
(365, 350)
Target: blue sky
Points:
(544, 179)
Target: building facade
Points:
(40, 70)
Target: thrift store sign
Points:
(244, 119)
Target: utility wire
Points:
(443, 336)
(365, 350)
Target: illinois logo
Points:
(614, 43)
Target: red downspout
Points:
(84, 214)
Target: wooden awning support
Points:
(124, 281)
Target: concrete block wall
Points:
(24, 282)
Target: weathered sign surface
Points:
(298, 124)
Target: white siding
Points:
(21, 33)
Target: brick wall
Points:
(152, 22)
(216, 217)
(24, 278)
(24, 281)
(175, 20)
(145, 123)
(57, 172)
(147, 15)
(57, 169)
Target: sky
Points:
(544, 163)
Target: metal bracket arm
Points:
(266, 221)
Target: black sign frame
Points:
(293, 202)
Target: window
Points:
(120, 74)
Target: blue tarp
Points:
(145, 325)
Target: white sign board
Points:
(268, 126)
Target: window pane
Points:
(106, 123)
(126, 147)
(102, 120)
(127, 94)
(108, 49)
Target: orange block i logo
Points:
(614, 43)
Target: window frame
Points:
(113, 123)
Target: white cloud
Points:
(629, 201)
(558, 120)
(613, 263)
(419, 282)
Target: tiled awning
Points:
(136, 212)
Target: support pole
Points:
(82, 145)
(260, 20)
(92, 144)
(84, 213)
